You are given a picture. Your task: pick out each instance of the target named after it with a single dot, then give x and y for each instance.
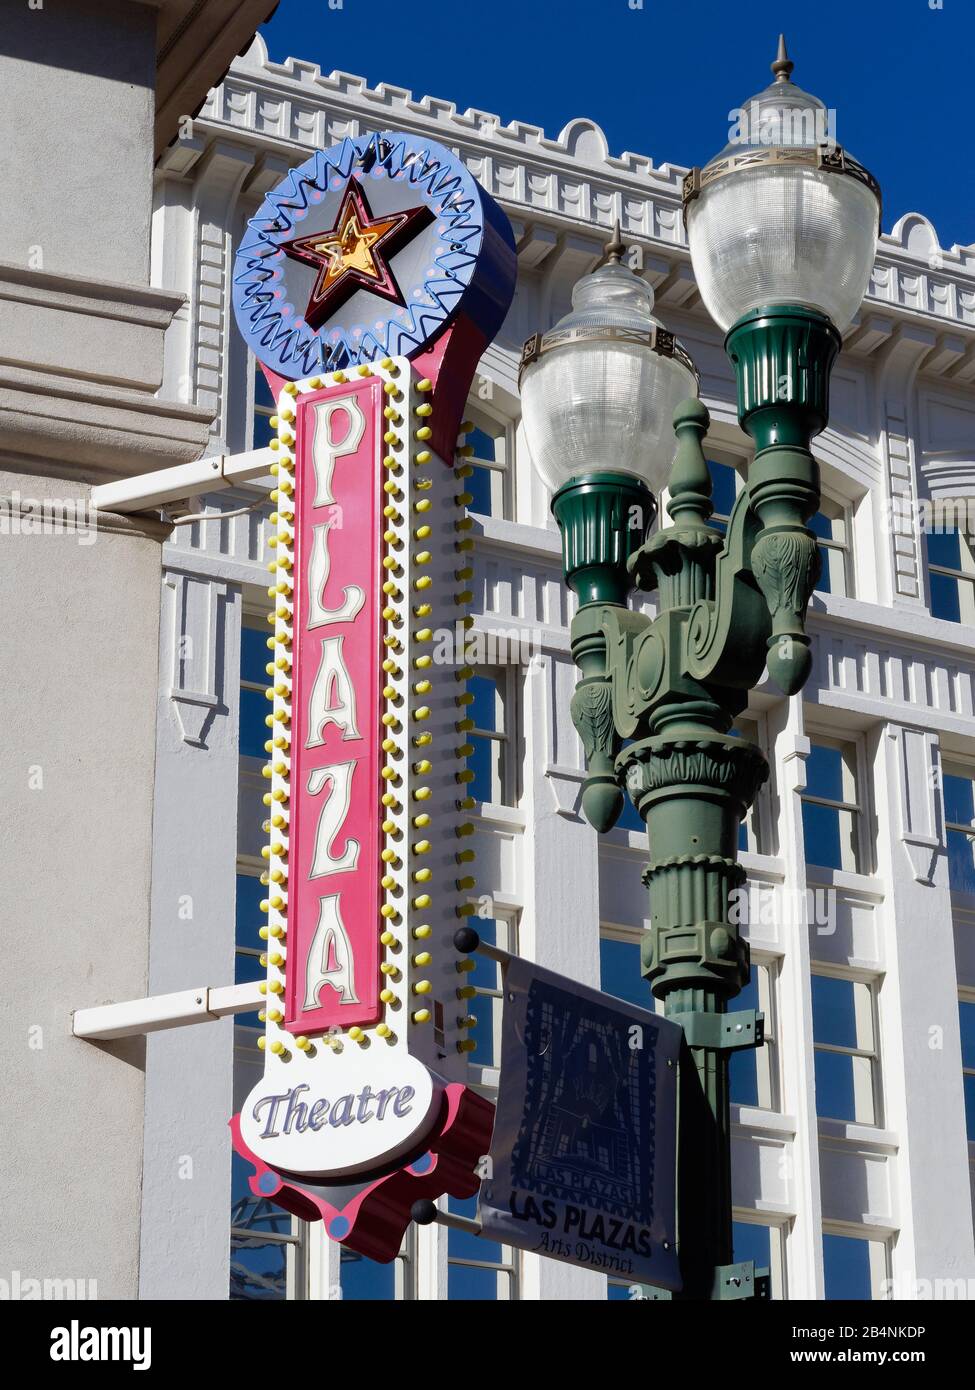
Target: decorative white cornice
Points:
(548, 186)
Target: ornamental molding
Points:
(196, 640)
(550, 184)
(918, 762)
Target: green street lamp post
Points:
(782, 228)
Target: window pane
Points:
(825, 774)
(835, 1096)
(959, 799)
(263, 433)
(630, 818)
(944, 548)
(752, 1242)
(364, 1279)
(618, 1293)
(250, 892)
(247, 969)
(945, 598)
(846, 1260)
(970, 1104)
(257, 1271)
(832, 577)
(619, 973)
(743, 1066)
(254, 653)
(966, 1017)
(471, 1284)
(485, 1008)
(829, 836)
(485, 447)
(254, 733)
(487, 710)
(479, 486)
(487, 765)
(724, 480)
(262, 392)
(463, 1246)
(961, 862)
(834, 1011)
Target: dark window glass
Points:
(835, 1098)
(847, 1268)
(959, 799)
(821, 829)
(254, 654)
(258, 1267)
(824, 773)
(479, 486)
(363, 1279)
(262, 392)
(834, 1014)
(970, 1104)
(961, 862)
(752, 1242)
(944, 548)
(743, 1066)
(254, 708)
(723, 490)
(250, 892)
(966, 1016)
(472, 1285)
(461, 1245)
(945, 601)
(619, 973)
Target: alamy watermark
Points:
(761, 124)
(933, 516)
(48, 516)
(23, 1288)
(760, 906)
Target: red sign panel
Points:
(333, 976)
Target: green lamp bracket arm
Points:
(726, 638)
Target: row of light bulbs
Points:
(398, 530)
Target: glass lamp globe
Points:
(782, 215)
(598, 391)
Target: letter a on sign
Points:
(329, 957)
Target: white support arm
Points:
(150, 490)
(136, 1016)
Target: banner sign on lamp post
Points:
(368, 285)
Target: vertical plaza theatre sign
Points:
(368, 285)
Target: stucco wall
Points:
(94, 61)
(78, 652)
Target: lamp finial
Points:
(613, 250)
(782, 67)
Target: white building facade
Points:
(852, 1157)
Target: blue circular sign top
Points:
(370, 249)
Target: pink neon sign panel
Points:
(332, 976)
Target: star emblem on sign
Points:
(355, 253)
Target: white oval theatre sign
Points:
(349, 1125)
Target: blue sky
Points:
(661, 80)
